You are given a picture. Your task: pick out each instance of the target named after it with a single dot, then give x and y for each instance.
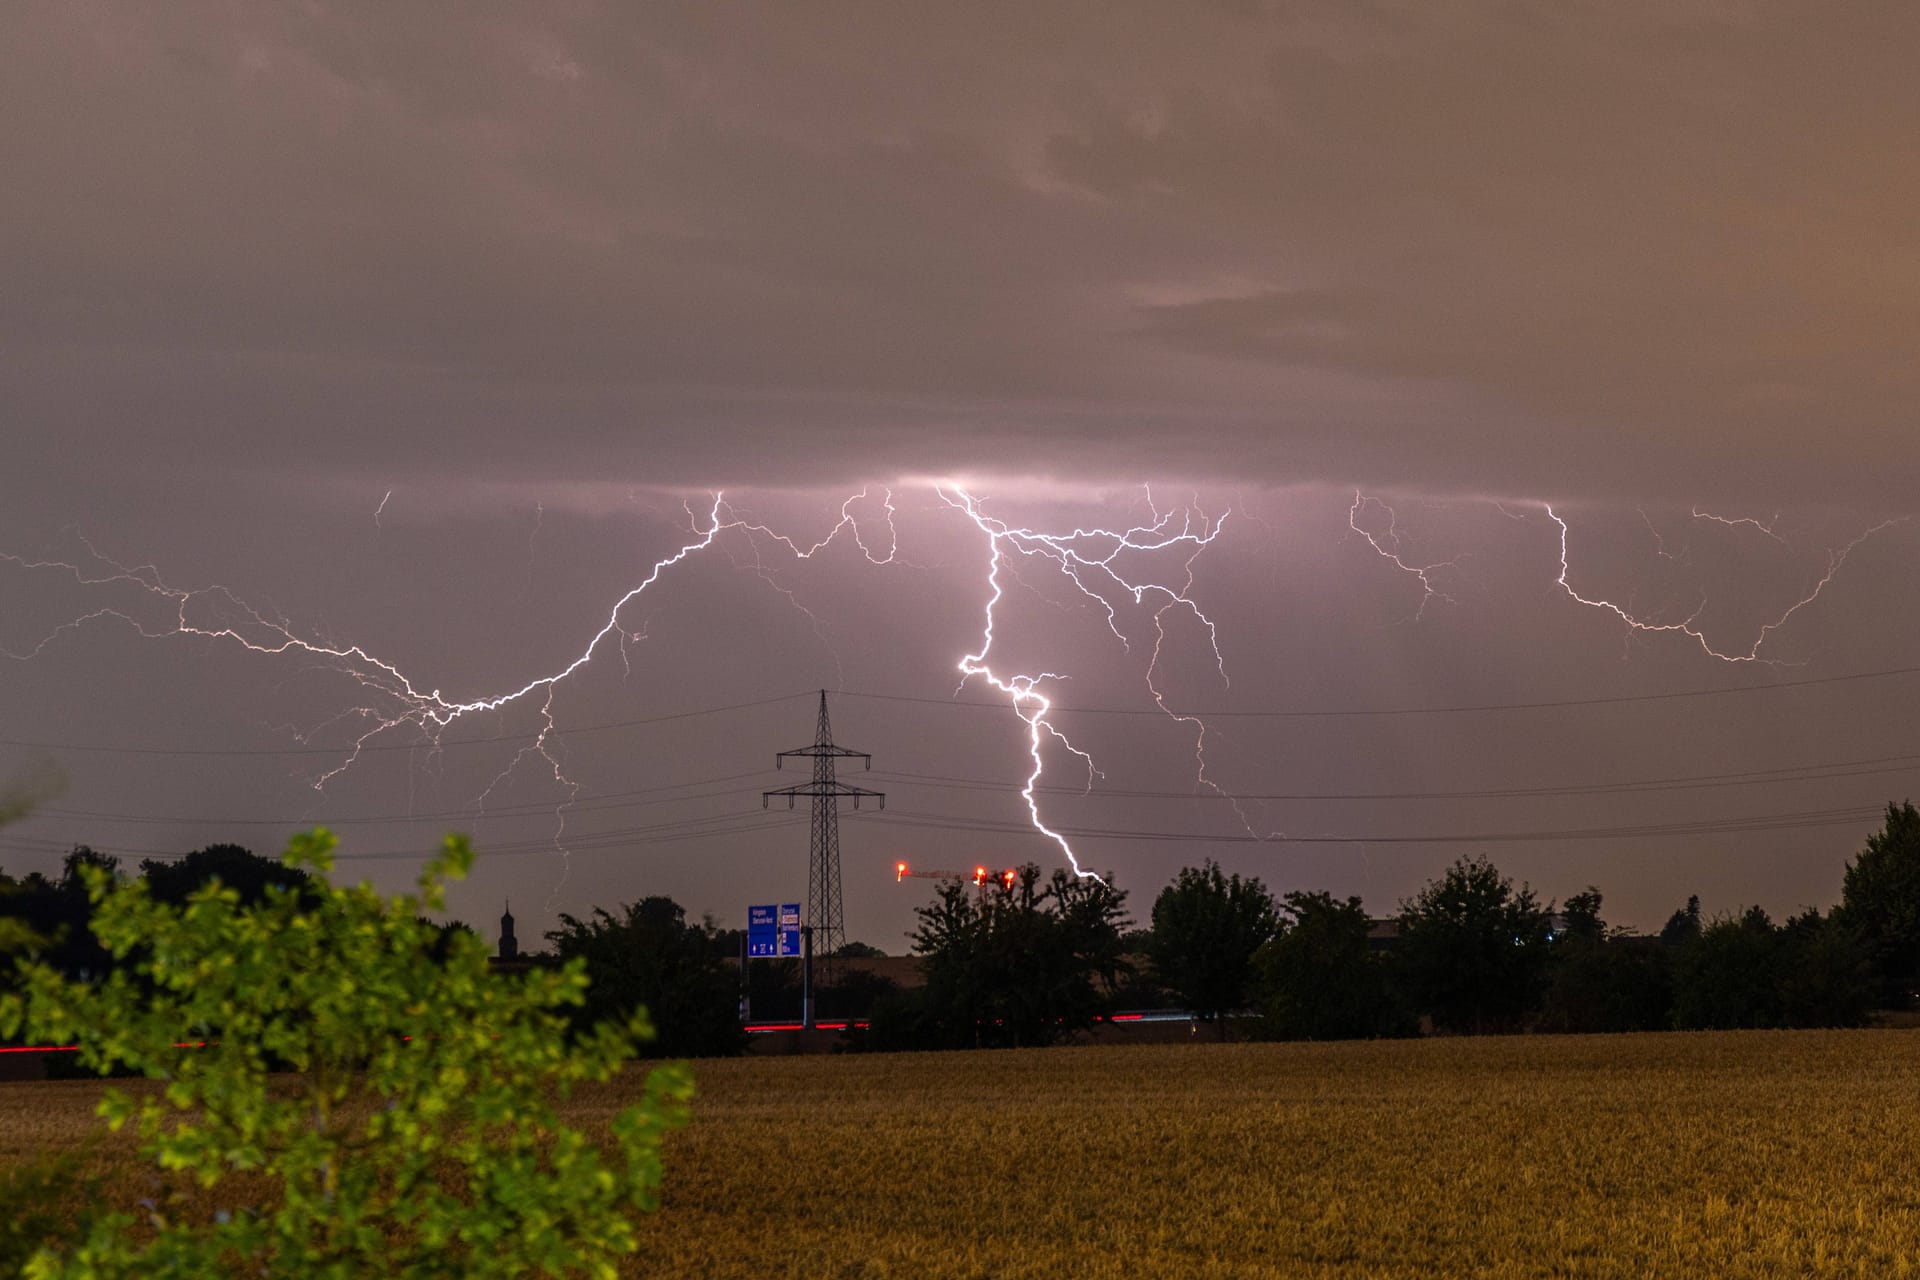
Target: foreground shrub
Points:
(419, 1136)
(37, 1206)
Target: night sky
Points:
(1524, 369)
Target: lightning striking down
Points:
(1139, 574)
(1096, 553)
(1091, 558)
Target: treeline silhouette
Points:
(1471, 953)
(1040, 960)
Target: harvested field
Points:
(1731, 1154)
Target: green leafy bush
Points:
(417, 1134)
(38, 1202)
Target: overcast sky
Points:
(414, 327)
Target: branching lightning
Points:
(1736, 521)
(1387, 543)
(1139, 576)
(1688, 626)
(397, 701)
(1660, 542)
(847, 524)
(1091, 559)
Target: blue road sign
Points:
(763, 931)
(790, 929)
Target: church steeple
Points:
(509, 946)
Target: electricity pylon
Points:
(826, 925)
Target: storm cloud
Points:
(1606, 250)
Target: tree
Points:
(1473, 949)
(1683, 926)
(17, 801)
(1319, 979)
(650, 957)
(1880, 903)
(1580, 917)
(1206, 927)
(51, 917)
(1603, 980)
(242, 870)
(1090, 916)
(1030, 966)
(774, 989)
(1826, 975)
(419, 1136)
(1729, 976)
(445, 931)
(853, 994)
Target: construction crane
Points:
(980, 876)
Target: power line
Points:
(622, 800)
(664, 833)
(1060, 708)
(532, 809)
(428, 745)
(738, 824)
(1725, 826)
(988, 705)
(1753, 777)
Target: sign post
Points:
(763, 932)
(774, 932)
(806, 980)
(746, 985)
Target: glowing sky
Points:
(418, 325)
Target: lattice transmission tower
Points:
(826, 916)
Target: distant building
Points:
(509, 945)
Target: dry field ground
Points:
(1714, 1155)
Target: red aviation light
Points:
(899, 871)
(979, 875)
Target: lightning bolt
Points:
(848, 524)
(1660, 543)
(1095, 562)
(1688, 626)
(1736, 521)
(396, 701)
(1387, 544)
(1029, 703)
(1182, 598)
(533, 547)
(1138, 576)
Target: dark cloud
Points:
(1537, 248)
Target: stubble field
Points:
(1735, 1154)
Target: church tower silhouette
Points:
(509, 946)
